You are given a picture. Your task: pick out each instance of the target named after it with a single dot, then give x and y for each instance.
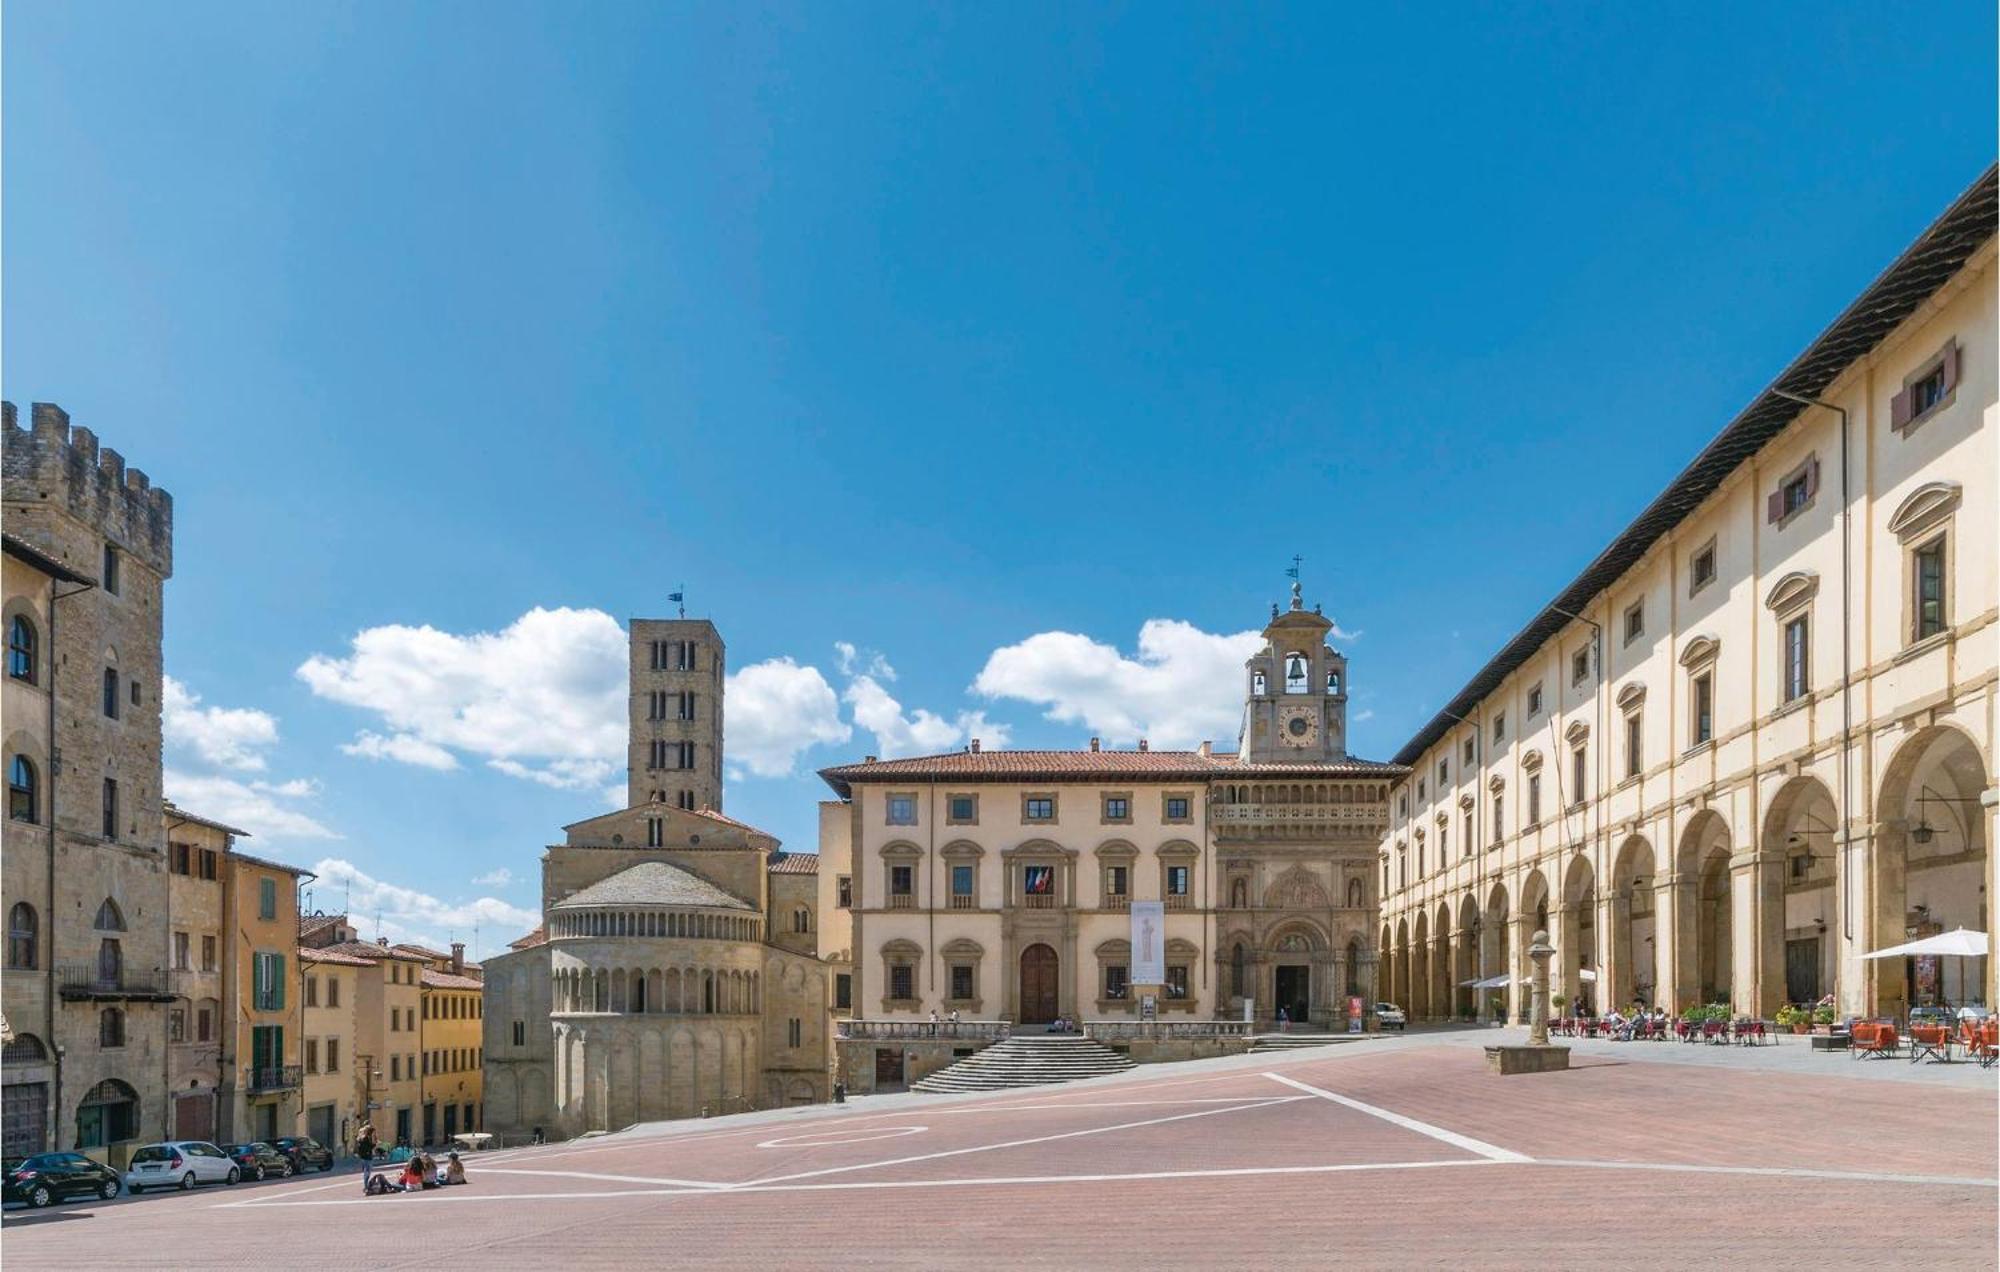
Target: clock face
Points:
(1299, 727)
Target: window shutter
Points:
(1812, 477)
(278, 982)
(1899, 410)
(1774, 506)
(1951, 366)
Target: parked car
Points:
(1388, 1016)
(305, 1151)
(258, 1159)
(180, 1164)
(50, 1177)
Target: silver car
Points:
(179, 1164)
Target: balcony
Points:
(1038, 901)
(275, 1077)
(90, 982)
(1118, 901)
(960, 901)
(1178, 901)
(902, 901)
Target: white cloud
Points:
(1363, 715)
(268, 810)
(777, 709)
(919, 732)
(224, 737)
(1185, 686)
(499, 878)
(377, 908)
(543, 699)
(853, 662)
(401, 747)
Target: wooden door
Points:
(1039, 996)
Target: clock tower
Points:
(1295, 701)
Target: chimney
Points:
(458, 958)
(1142, 744)
(975, 746)
(382, 941)
(1093, 744)
(867, 759)
(1207, 749)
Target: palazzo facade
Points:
(1000, 884)
(1754, 739)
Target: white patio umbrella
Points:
(1957, 943)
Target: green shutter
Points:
(278, 982)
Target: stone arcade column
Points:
(1512, 959)
(1666, 944)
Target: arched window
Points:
(23, 933)
(802, 920)
(21, 649)
(107, 1114)
(109, 917)
(111, 1027)
(1236, 973)
(24, 1049)
(111, 692)
(24, 802)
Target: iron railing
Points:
(93, 980)
(276, 1077)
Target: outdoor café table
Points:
(1930, 1040)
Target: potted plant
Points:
(1557, 1002)
(1796, 1019)
(1496, 1010)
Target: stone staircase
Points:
(1293, 1041)
(1027, 1060)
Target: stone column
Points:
(1666, 944)
(1511, 961)
(1538, 1019)
(1568, 955)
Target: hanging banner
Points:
(1149, 942)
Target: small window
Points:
(23, 937)
(656, 832)
(1635, 621)
(1257, 684)
(902, 881)
(1534, 800)
(843, 991)
(1177, 980)
(1117, 808)
(963, 810)
(1444, 773)
(1703, 709)
(23, 791)
(267, 898)
(1929, 608)
(1927, 392)
(1420, 790)
(1635, 761)
(21, 643)
(1039, 808)
(794, 1032)
(1403, 805)
(843, 886)
(902, 810)
(1701, 571)
(1470, 751)
(111, 808)
(1295, 673)
(961, 982)
(1579, 776)
(111, 693)
(1798, 678)
(1535, 699)
(1499, 727)
(111, 1028)
(1796, 493)
(176, 1024)
(1177, 881)
(132, 692)
(1801, 867)
(1499, 821)
(111, 580)
(1579, 666)
(1177, 808)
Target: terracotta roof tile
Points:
(1057, 766)
(310, 923)
(307, 954)
(794, 863)
(652, 883)
(372, 953)
(433, 979)
(540, 936)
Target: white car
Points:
(1388, 1016)
(181, 1164)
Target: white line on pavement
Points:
(609, 1179)
(1453, 1138)
(1780, 1172)
(1019, 1143)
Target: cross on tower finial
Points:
(1292, 573)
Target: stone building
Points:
(675, 971)
(1754, 739)
(1001, 884)
(85, 864)
(674, 737)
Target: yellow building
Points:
(200, 1032)
(334, 1088)
(452, 1024)
(263, 1079)
(387, 1031)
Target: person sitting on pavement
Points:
(412, 1179)
(453, 1170)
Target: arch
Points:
(1576, 941)
(23, 1049)
(1635, 931)
(109, 917)
(1796, 896)
(1924, 508)
(1040, 983)
(1794, 589)
(23, 649)
(1930, 869)
(1704, 912)
(24, 937)
(108, 1113)
(24, 790)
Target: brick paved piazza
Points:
(1386, 1152)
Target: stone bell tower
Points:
(1295, 692)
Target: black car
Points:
(48, 1177)
(305, 1151)
(258, 1159)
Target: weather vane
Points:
(680, 598)
(1292, 573)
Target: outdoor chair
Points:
(1982, 1040)
(1933, 1041)
(1750, 1033)
(1685, 1030)
(1714, 1031)
(1875, 1038)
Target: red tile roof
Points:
(540, 936)
(433, 979)
(372, 953)
(794, 863)
(308, 954)
(1061, 766)
(310, 923)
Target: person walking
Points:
(364, 1147)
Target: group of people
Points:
(420, 1170)
(952, 1020)
(1065, 1024)
(1641, 1017)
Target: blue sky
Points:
(974, 339)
